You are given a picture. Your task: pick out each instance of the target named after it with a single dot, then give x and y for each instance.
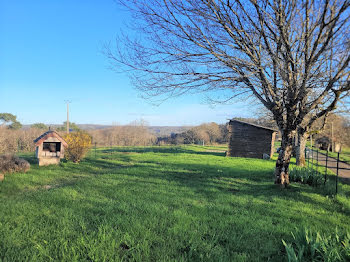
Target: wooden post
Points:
(316, 160)
(332, 139)
(325, 174)
(336, 181)
(312, 157)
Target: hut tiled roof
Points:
(255, 125)
(48, 134)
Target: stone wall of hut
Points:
(250, 141)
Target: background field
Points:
(186, 203)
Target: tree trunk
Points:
(282, 163)
(300, 149)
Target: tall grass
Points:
(306, 175)
(308, 245)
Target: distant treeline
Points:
(134, 134)
(209, 133)
(138, 133)
(212, 133)
(17, 140)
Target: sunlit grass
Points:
(185, 203)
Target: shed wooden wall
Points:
(250, 141)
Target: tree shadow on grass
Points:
(162, 150)
(151, 186)
(199, 177)
(209, 181)
(260, 197)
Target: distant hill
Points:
(156, 130)
(167, 130)
(92, 126)
(81, 126)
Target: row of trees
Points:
(22, 140)
(17, 140)
(336, 129)
(14, 139)
(208, 133)
(134, 134)
(137, 133)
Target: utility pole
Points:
(67, 102)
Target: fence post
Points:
(317, 161)
(308, 160)
(336, 181)
(312, 158)
(325, 174)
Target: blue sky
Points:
(51, 51)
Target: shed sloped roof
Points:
(48, 134)
(261, 127)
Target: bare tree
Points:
(320, 126)
(291, 55)
(208, 132)
(335, 128)
(133, 134)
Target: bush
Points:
(314, 246)
(306, 175)
(79, 144)
(12, 163)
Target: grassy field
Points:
(186, 203)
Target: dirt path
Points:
(332, 165)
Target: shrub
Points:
(314, 246)
(79, 144)
(306, 175)
(12, 163)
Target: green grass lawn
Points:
(185, 203)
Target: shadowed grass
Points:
(158, 204)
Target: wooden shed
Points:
(249, 140)
(49, 148)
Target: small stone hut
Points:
(49, 148)
(249, 140)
